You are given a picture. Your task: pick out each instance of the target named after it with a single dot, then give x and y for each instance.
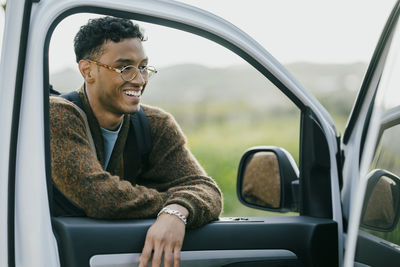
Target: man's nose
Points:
(138, 80)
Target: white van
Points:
(339, 182)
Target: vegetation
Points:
(219, 147)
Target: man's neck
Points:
(106, 119)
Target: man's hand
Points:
(165, 236)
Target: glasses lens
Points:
(151, 71)
(129, 73)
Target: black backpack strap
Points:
(53, 91)
(143, 136)
(74, 98)
(138, 146)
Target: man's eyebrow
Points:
(130, 61)
(124, 60)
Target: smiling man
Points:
(92, 144)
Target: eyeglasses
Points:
(128, 73)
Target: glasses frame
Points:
(149, 70)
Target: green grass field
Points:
(219, 146)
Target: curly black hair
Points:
(90, 38)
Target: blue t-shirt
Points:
(109, 137)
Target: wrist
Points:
(180, 208)
(173, 212)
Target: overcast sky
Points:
(313, 30)
(291, 30)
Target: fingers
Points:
(146, 253)
(165, 236)
(158, 250)
(172, 257)
(177, 256)
(156, 261)
(168, 257)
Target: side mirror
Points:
(381, 202)
(268, 179)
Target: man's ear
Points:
(86, 71)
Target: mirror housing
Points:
(381, 202)
(268, 179)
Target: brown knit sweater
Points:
(174, 175)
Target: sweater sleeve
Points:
(79, 175)
(175, 170)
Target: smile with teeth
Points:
(133, 93)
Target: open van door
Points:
(371, 154)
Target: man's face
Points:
(110, 92)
